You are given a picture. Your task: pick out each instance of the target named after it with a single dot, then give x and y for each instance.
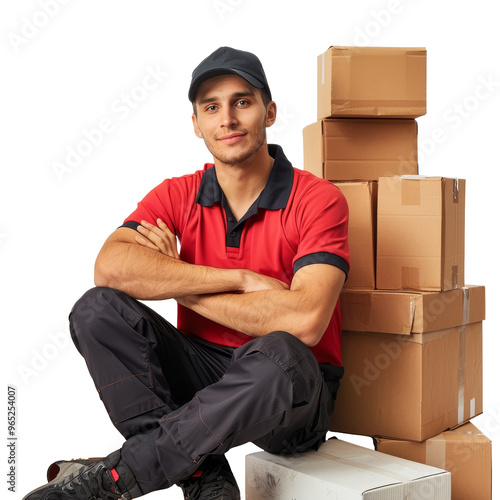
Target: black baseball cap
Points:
(228, 60)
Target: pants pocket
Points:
(133, 408)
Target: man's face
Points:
(232, 118)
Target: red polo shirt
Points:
(297, 220)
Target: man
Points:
(256, 355)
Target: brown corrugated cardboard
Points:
(418, 383)
(465, 452)
(360, 149)
(420, 233)
(371, 82)
(409, 386)
(341, 470)
(406, 312)
(362, 200)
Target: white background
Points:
(65, 72)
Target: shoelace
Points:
(92, 484)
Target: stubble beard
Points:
(238, 158)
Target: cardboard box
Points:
(341, 470)
(420, 233)
(362, 200)
(371, 82)
(419, 382)
(407, 312)
(464, 452)
(409, 387)
(360, 149)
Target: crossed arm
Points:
(148, 267)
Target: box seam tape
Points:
(366, 467)
(454, 269)
(455, 190)
(413, 308)
(435, 453)
(461, 353)
(323, 68)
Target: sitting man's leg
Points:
(143, 368)
(272, 394)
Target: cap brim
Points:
(195, 84)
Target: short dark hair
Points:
(265, 97)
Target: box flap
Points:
(466, 432)
(407, 312)
(381, 50)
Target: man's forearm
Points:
(259, 313)
(145, 274)
(304, 310)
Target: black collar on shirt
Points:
(274, 196)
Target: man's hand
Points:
(258, 304)
(126, 263)
(161, 239)
(158, 238)
(252, 282)
(304, 310)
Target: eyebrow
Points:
(206, 100)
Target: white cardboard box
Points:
(342, 471)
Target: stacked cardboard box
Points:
(341, 470)
(413, 362)
(465, 452)
(412, 332)
(420, 230)
(368, 99)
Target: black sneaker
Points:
(88, 479)
(62, 468)
(214, 481)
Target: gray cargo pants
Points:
(177, 399)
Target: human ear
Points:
(195, 126)
(271, 113)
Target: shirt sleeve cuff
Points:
(322, 258)
(131, 224)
